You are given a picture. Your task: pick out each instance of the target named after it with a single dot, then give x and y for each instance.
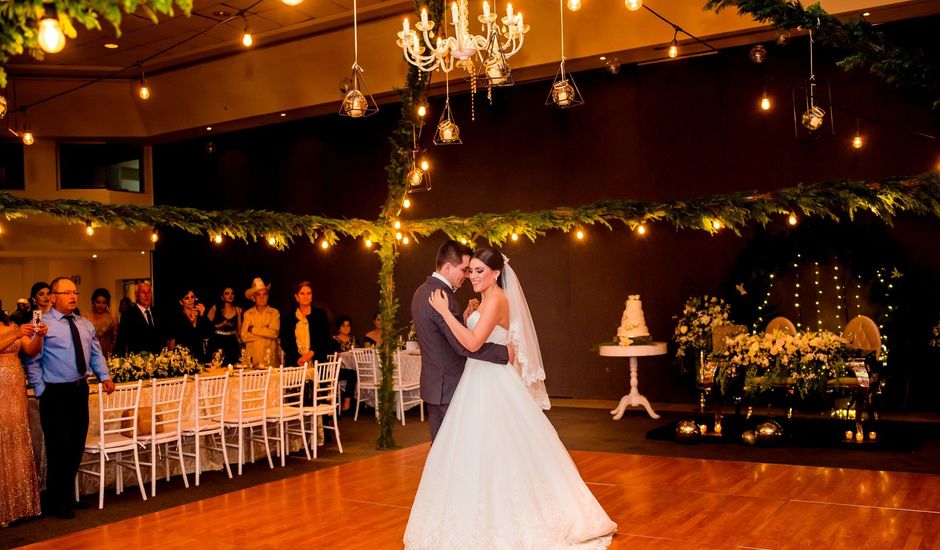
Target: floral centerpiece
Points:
(693, 334)
(805, 361)
(142, 366)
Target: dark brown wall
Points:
(667, 131)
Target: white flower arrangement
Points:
(143, 366)
(694, 326)
(806, 361)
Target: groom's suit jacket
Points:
(442, 356)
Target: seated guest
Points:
(305, 335)
(226, 319)
(374, 336)
(19, 487)
(23, 313)
(261, 326)
(344, 336)
(191, 329)
(346, 342)
(140, 328)
(105, 324)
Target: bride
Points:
(497, 475)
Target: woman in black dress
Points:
(191, 329)
(226, 319)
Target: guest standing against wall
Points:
(305, 336)
(70, 353)
(191, 329)
(260, 326)
(226, 319)
(141, 329)
(106, 325)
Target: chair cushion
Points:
(111, 442)
(273, 413)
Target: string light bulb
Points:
(28, 138)
(397, 224)
(514, 236)
(674, 47)
(716, 224)
(143, 88)
(324, 244)
(792, 220)
(272, 240)
(89, 230)
(574, 5)
(398, 236)
(406, 203)
(247, 40)
(764, 102)
(422, 110)
(50, 36)
(633, 5)
(857, 141)
(217, 239)
(641, 229)
(580, 234)
(405, 240)
(154, 236)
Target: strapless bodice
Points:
(499, 334)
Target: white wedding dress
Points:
(498, 476)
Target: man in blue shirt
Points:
(58, 376)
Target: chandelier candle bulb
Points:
(424, 16)
(486, 9)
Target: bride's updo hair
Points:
(493, 259)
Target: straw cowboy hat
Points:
(256, 286)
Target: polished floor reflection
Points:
(657, 501)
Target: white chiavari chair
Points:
(290, 408)
(117, 435)
(166, 415)
(208, 419)
(250, 414)
(324, 401)
(367, 372)
(407, 379)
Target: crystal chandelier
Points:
(501, 39)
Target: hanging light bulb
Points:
(580, 234)
(154, 236)
(292, 2)
(324, 244)
(716, 224)
(574, 5)
(247, 40)
(406, 203)
(368, 243)
(143, 88)
(89, 230)
(514, 236)
(272, 240)
(398, 235)
(857, 142)
(28, 138)
(405, 240)
(422, 110)
(674, 47)
(641, 229)
(764, 102)
(792, 219)
(217, 239)
(633, 5)
(51, 38)
(397, 224)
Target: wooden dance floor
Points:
(658, 502)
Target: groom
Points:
(442, 356)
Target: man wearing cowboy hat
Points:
(261, 326)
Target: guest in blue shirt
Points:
(70, 353)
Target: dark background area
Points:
(658, 132)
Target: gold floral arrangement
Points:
(805, 361)
(169, 363)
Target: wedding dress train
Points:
(498, 476)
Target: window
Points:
(114, 166)
(12, 177)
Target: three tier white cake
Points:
(633, 329)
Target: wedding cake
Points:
(633, 328)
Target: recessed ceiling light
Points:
(94, 256)
(283, 114)
(221, 13)
(208, 128)
(603, 58)
(111, 46)
(866, 14)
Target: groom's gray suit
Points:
(442, 356)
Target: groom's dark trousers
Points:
(442, 356)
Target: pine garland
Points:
(867, 46)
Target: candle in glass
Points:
(849, 434)
(860, 436)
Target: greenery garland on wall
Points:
(866, 46)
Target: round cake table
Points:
(634, 398)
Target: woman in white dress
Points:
(497, 475)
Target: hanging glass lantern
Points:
(447, 133)
(419, 177)
(813, 118)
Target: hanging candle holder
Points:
(808, 113)
(447, 133)
(564, 92)
(358, 101)
(419, 177)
